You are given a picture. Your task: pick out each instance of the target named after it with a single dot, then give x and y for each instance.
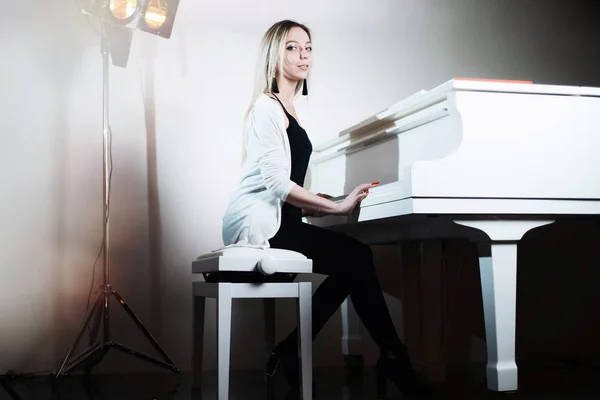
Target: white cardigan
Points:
(253, 214)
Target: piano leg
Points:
(351, 345)
(422, 281)
(498, 270)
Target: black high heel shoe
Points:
(403, 376)
(288, 363)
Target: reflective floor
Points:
(574, 383)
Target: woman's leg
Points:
(349, 266)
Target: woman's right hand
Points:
(354, 198)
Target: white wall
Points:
(176, 121)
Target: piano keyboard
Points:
(383, 193)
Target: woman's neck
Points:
(287, 89)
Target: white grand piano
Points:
(487, 160)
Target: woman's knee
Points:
(360, 256)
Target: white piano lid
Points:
(404, 103)
(477, 85)
(515, 86)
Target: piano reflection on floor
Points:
(483, 160)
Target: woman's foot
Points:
(405, 380)
(287, 362)
(285, 359)
(400, 371)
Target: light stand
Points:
(99, 313)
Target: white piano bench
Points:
(247, 272)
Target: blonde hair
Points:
(271, 55)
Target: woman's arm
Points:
(308, 213)
(266, 142)
(311, 202)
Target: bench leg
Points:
(198, 340)
(269, 311)
(224, 303)
(305, 337)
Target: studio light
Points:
(152, 16)
(118, 19)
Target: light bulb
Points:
(156, 13)
(123, 9)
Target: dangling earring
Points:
(305, 89)
(274, 88)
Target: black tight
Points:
(349, 267)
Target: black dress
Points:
(301, 149)
(347, 262)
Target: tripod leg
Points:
(88, 358)
(92, 312)
(142, 327)
(95, 325)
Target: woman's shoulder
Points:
(265, 102)
(267, 108)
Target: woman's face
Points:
(298, 55)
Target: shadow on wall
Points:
(44, 55)
(154, 216)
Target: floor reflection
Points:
(331, 384)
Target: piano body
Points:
(486, 160)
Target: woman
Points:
(267, 208)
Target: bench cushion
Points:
(247, 259)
